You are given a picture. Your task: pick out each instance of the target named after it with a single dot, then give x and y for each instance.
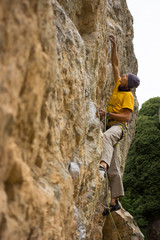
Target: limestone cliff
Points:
(55, 62)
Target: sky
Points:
(146, 16)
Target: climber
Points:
(120, 107)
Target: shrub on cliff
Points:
(141, 176)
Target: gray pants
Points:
(109, 156)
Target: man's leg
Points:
(110, 138)
(109, 158)
(115, 180)
(115, 183)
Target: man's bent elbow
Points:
(127, 119)
(127, 115)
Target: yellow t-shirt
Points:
(120, 100)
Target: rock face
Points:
(56, 72)
(126, 227)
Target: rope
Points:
(105, 123)
(110, 212)
(119, 236)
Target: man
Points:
(120, 107)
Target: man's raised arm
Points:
(115, 62)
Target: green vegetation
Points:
(142, 172)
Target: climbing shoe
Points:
(113, 208)
(102, 172)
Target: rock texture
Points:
(55, 74)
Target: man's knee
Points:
(114, 175)
(107, 135)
